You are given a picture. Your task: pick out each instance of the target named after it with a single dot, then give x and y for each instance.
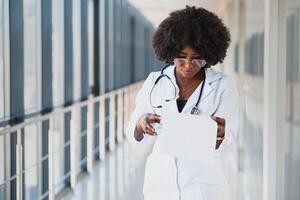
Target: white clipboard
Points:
(187, 136)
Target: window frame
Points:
(6, 61)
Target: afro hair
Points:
(197, 28)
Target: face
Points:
(188, 63)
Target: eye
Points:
(181, 56)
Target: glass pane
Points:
(252, 95)
(58, 52)
(31, 153)
(292, 116)
(31, 54)
(1, 60)
(31, 183)
(31, 145)
(2, 192)
(58, 149)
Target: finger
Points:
(154, 118)
(219, 120)
(218, 143)
(221, 132)
(150, 127)
(150, 130)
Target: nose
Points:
(188, 63)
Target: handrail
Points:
(42, 117)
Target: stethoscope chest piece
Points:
(195, 111)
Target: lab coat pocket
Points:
(160, 178)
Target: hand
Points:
(221, 130)
(145, 121)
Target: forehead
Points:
(188, 51)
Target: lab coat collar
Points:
(211, 76)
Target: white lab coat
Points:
(176, 178)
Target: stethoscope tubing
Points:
(195, 109)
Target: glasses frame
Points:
(196, 62)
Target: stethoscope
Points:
(195, 110)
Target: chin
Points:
(188, 74)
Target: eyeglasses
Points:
(195, 62)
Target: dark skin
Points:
(188, 77)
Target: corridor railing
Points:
(62, 150)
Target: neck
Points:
(181, 81)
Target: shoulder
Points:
(152, 77)
(220, 76)
(221, 80)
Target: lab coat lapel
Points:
(172, 105)
(211, 76)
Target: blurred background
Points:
(69, 73)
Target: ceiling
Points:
(156, 10)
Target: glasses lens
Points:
(199, 62)
(180, 61)
(183, 61)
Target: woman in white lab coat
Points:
(191, 40)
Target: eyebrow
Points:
(184, 54)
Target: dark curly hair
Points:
(201, 30)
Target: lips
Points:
(188, 72)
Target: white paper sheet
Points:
(187, 136)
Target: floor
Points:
(119, 177)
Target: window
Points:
(132, 50)
(58, 52)
(60, 161)
(31, 161)
(32, 95)
(32, 55)
(252, 114)
(292, 116)
(1, 59)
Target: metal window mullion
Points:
(111, 43)
(7, 155)
(126, 109)
(19, 163)
(102, 128)
(39, 161)
(51, 160)
(91, 45)
(103, 49)
(112, 132)
(73, 139)
(6, 59)
(76, 48)
(39, 52)
(90, 134)
(120, 117)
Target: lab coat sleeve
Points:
(142, 106)
(229, 110)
